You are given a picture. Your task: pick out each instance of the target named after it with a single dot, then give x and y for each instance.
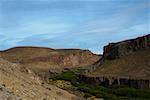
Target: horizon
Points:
(81, 24)
(70, 48)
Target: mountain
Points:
(123, 63)
(46, 61)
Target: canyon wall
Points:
(110, 80)
(123, 48)
(117, 50)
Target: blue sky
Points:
(85, 24)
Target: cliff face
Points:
(117, 50)
(123, 63)
(109, 81)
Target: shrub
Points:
(115, 92)
(87, 95)
(131, 92)
(68, 76)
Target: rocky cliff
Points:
(123, 48)
(126, 60)
(110, 81)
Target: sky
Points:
(84, 24)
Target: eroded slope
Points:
(22, 83)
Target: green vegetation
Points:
(108, 93)
(114, 93)
(68, 76)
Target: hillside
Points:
(135, 65)
(45, 61)
(130, 58)
(126, 62)
(19, 83)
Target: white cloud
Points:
(56, 31)
(114, 23)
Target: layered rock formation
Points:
(117, 50)
(123, 63)
(110, 81)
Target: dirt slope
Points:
(17, 82)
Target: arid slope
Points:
(17, 82)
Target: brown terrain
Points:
(21, 69)
(19, 83)
(126, 62)
(44, 61)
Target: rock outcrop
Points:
(123, 48)
(120, 49)
(123, 63)
(110, 81)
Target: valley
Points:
(36, 73)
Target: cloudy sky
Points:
(85, 24)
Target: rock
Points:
(109, 81)
(116, 66)
(117, 50)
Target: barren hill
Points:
(45, 60)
